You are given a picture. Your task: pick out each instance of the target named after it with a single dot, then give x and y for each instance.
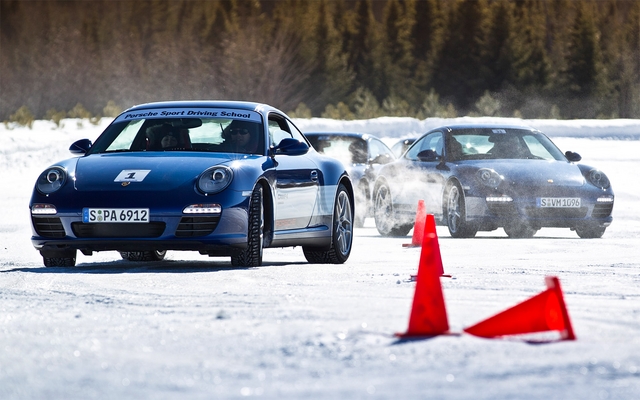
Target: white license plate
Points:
(559, 202)
(137, 215)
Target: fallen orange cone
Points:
(428, 312)
(543, 312)
(418, 226)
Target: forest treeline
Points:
(333, 58)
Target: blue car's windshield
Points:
(182, 134)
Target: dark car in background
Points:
(363, 155)
(220, 178)
(484, 177)
(401, 146)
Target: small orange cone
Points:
(418, 226)
(543, 312)
(430, 240)
(428, 312)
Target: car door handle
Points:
(314, 176)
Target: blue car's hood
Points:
(537, 172)
(152, 171)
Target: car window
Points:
(464, 146)
(347, 149)
(295, 132)
(124, 140)
(276, 133)
(377, 148)
(192, 134)
(541, 147)
(432, 141)
(501, 144)
(281, 128)
(184, 128)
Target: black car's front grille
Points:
(534, 212)
(602, 210)
(197, 226)
(118, 230)
(50, 227)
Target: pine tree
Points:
(499, 47)
(330, 80)
(427, 35)
(396, 57)
(629, 78)
(584, 65)
(610, 28)
(361, 49)
(456, 76)
(531, 63)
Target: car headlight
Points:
(489, 177)
(215, 179)
(598, 179)
(51, 180)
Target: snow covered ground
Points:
(194, 327)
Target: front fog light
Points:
(43, 209)
(499, 199)
(203, 209)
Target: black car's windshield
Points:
(236, 135)
(494, 143)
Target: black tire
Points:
(251, 256)
(591, 232)
(152, 255)
(386, 222)
(520, 231)
(63, 258)
(455, 213)
(342, 233)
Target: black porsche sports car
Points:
(484, 177)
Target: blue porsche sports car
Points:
(220, 178)
(481, 178)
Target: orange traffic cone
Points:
(418, 226)
(428, 312)
(543, 312)
(430, 252)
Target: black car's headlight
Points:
(489, 177)
(215, 179)
(598, 179)
(51, 180)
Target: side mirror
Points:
(291, 147)
(428, 155)
(573, 157)
(80, 146)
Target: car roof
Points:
(242, 105)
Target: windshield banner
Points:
(224, 113)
